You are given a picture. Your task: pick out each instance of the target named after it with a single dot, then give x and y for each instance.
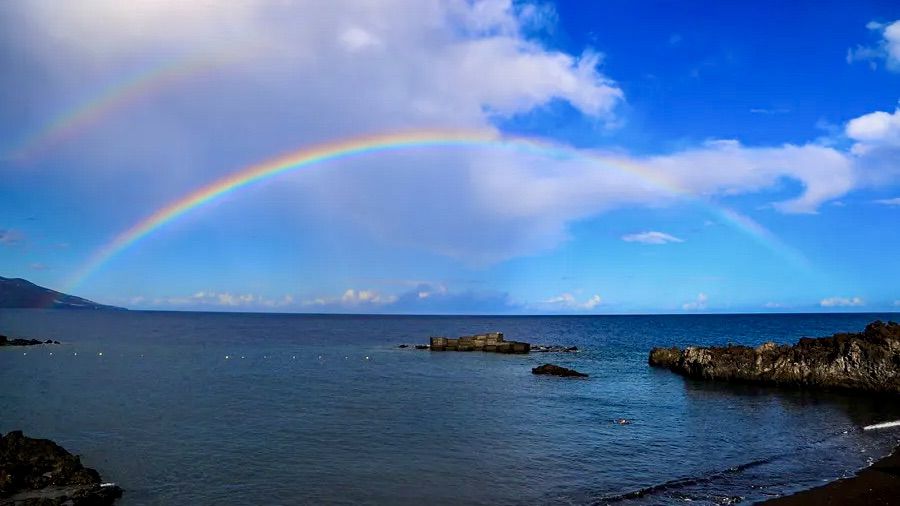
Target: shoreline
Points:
(878, 484)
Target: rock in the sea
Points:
(554, 348)
(868, 361)
(5, 341)
(422, 346)
(555, 370)
(40, 472)
(403, 346)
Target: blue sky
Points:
(768, 136)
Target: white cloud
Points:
(878, 129)
(889, 202)
(651, 237)
(352, 298)
(897, 303)
(842, 302)
(9, 237)
(216, 300)
(887, 49)
(425, 64)
(773, 305)
(697, 304)
(567, 301)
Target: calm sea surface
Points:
(326, 409)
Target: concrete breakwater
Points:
(491, 342)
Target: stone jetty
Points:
(491, 342)
(866, 361)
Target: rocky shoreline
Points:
(40, 472)
(868, 361)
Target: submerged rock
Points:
(541, 348)
(868, 361)
(555, 370)
(40, 472)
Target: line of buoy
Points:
(884, 425)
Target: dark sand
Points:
(876, 484)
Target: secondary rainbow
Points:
(368, 145)
(88, 113)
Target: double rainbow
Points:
(371, 145)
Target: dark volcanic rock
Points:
(5, 341)
(553, 348)
(555, 370)
(40, 472)
(422, 346)
(868, 361)
(403, 346)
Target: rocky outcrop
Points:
(40, 472)
(5, 341)
(866, 361)
(555, 370)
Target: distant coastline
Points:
(18, 293)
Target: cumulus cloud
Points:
(697, 304)
(842, 302)
(567, 301)
(887, 48)
(875, 130)
(216, 300)
(651, 237)
(295, 81)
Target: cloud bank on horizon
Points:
(478, 229)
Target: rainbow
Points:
(80, 118)
(370, 145)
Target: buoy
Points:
(226, 357)
(100, 354)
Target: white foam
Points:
(885, 425)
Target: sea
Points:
(224, 408)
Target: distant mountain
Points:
(20, 293)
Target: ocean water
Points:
(327, 409)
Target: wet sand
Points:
(878, 484)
